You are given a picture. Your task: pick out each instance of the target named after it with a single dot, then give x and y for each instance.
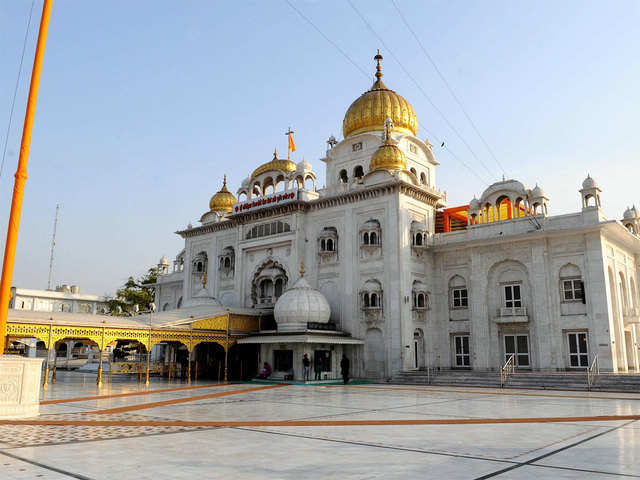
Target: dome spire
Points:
(378, 84)
(302, 269)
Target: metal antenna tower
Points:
(53, 246)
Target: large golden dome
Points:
(223, 200)
(275, 164)
(369, 112)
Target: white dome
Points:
(537, 192)
(246, 182)
(589, 183)
(630, 213)
(163, 261)
(303, 166)
(299, 305)
(474, 204)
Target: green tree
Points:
(134, 292)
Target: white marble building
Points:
(405, 291)
(64, 298)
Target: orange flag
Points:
(292, 146)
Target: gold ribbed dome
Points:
(369, 112)
(389, 157)
(223, 200)
(275, 164)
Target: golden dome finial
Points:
(224, 181)
(378, 84)
(275, 154)
(388, 126)
(301, 268)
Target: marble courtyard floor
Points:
(252, 431)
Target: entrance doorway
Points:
(578, 349)
(518, 346)
(418, 349)
(462, 357)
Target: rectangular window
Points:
(460, 298)
(572, 290)
(282, 360)
(578, 349)
(512, 297)
(518, 346)
(462, 358)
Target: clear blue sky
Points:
(144, 106)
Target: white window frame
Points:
(462, 298)
(582, 362)
(461, 356)
(513, 302)
(573, 289)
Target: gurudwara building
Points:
(397, 280)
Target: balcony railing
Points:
(512, 315)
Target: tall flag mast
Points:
(53, 246)
(291, 147)
(21, 176)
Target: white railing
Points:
(592, 372)
(507, 369)
(513, 311)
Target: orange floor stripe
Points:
(175, 401)
(318, 423)
(479, 392)
(131, 394)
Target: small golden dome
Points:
(388, 156)
(275, 164)
(223, 200)
(373, 107)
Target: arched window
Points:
(199, 266)
(373, 238)
(358, 172)
(366, 300)
(458, 295)
(227, 262)
(571, 285)
(329, 245)
(365, 238)
(423, 179)
(323, 245)
(374, 300)
(344, 177)
(420, 303)
(165, 307)
(419, 239)
(413, 170)
(278, 288)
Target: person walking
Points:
(318, 367)
(344, 368)
(306, 364)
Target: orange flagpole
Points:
(21, 177)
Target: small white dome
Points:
(474, 204)
(303, 166)
(537, 192)
(163, 261)
(299, 305)
(246, 182)
(630, 213)
(589, 182)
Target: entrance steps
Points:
(524, 380)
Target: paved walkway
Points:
(252, 431)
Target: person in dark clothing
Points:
(306, 364)
(344, 368)
(318, 367)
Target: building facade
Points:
(409, 282)
(64, 298)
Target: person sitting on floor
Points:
(289, 374)
(266, 371)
